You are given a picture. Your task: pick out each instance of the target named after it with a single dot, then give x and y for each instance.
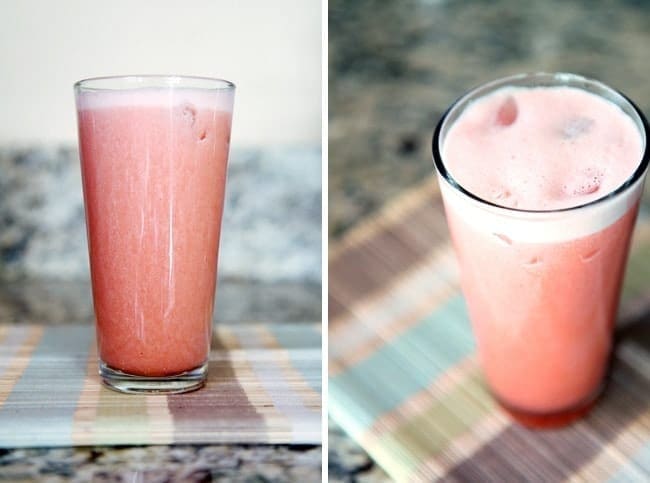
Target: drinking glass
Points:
(154, 152)
(542, 287)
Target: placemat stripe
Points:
(460, 448)
(377, 323)
(484, 424)
(293, 336)
(15, 338)
(419, 402)
(387, 215)
(355, 272)
(275, 383)
(353, 392)
(161, 421)
(295, 378)
(446, 418)
(301, 369)
(223, 338)
(53, 377)
(248, 394)
(121, 419)
(615, 455)
(57, 398)
(15, 359)
(83, 429)
(223, 406)
(636, 469)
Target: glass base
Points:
(175, 384)
(555, 419)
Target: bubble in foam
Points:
(507, 113)
(188, 112)
(590, 255)
(503, 238)
(502, 196)
(533, 261)
(585, 183)
(576, 127)
(501, 193)
(533, 265)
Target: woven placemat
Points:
(404, 379)
(264, 386)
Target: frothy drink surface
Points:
(542, 148)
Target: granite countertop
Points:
(238, 301)
(271, 228)
(191, 463)
(394, 67)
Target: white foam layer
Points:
(542, 148)
(540, 227)
(221, 100)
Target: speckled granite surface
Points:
(162, 464)
(394, 67)
(271, 228)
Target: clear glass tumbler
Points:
(542, 287)
(154, 152)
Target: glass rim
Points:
(563, 79)
(135, 81)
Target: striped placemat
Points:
(404, 380)
(264, 386)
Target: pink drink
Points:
(154, 170)
(542, 254)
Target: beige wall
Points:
(270, 49)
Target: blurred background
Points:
(271, 50)
(394, 67)
(270, 259)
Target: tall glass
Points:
(542, 287)
(154, 151)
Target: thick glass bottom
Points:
(133, 384)
(555, 419)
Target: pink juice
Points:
(542, 289)
(154, 171)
